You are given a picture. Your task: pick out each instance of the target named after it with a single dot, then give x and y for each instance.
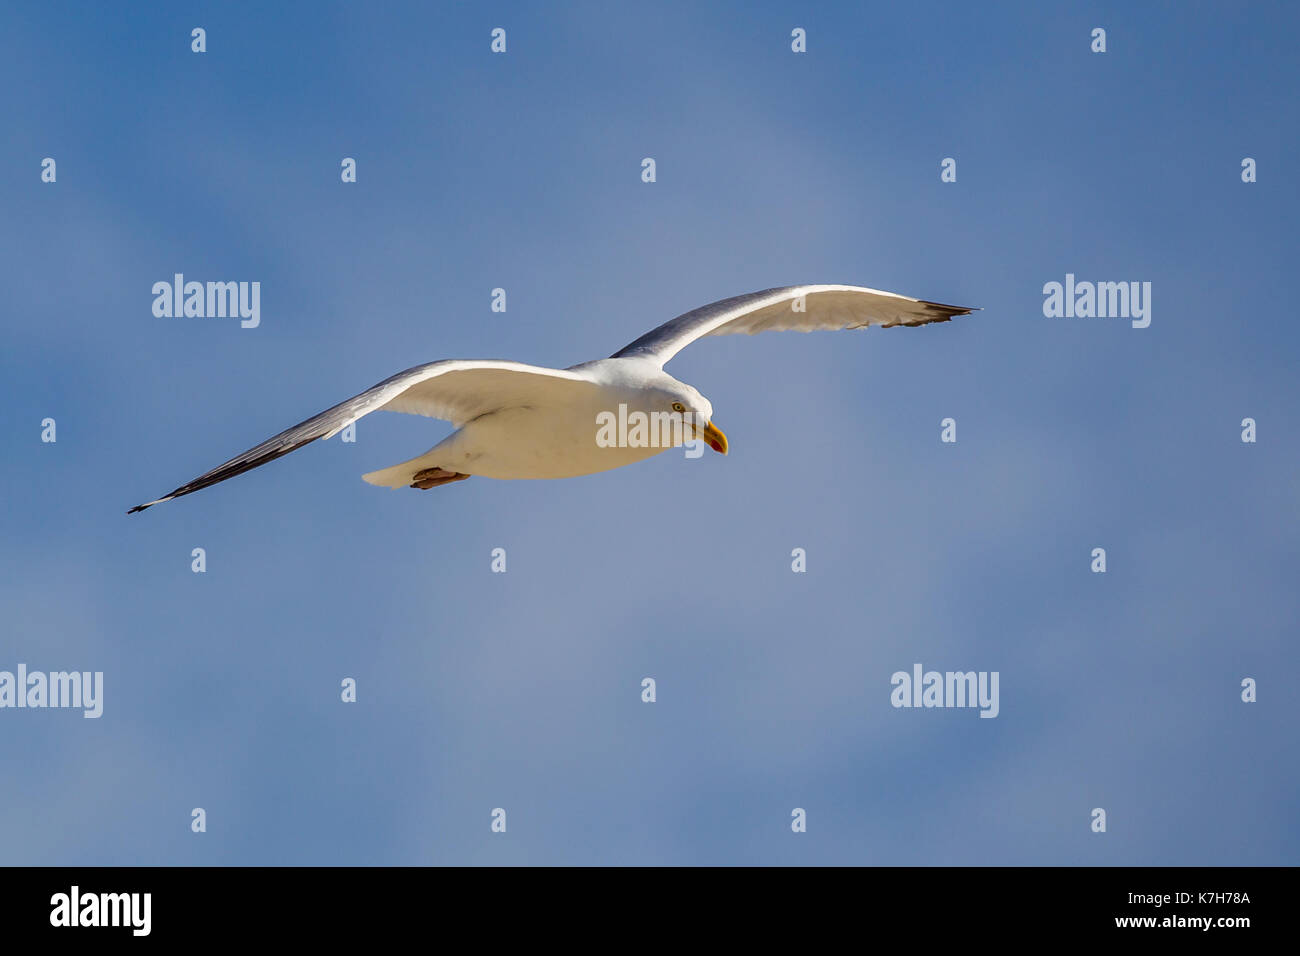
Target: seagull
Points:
(525, 421)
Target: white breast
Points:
(535, 443)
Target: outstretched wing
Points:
(798, 308)
(455, 390)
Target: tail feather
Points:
(400, 476)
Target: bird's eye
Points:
(678, 407)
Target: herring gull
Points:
(524, 421)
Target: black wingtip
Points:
(137, 508)
(950, 310)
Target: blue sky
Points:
(522, 690)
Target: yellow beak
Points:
(715, 438)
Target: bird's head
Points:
(697, 413)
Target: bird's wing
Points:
(798, 308)
(455, 390)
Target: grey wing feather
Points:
(456, 390)
(327, 423)
(802, 308)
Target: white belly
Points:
(533, 443)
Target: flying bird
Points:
(524, 421)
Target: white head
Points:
(667, 394)
(644, 387)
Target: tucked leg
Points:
(433, 477)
